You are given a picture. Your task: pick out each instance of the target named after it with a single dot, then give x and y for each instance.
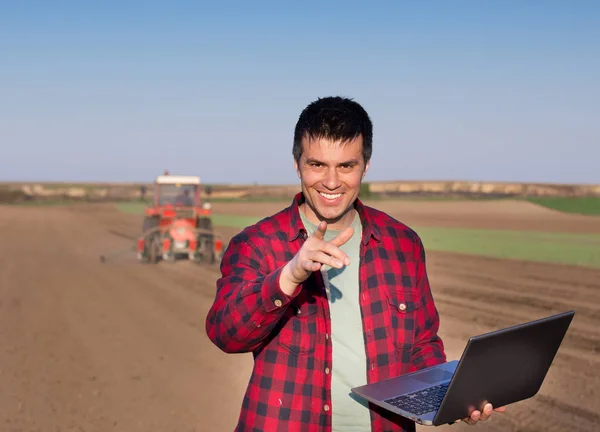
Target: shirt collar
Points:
(297, 229)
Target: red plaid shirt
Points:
(289, 389)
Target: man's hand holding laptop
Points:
(477, 415)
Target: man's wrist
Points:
(286, 281)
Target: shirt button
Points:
(326, 407)
(327, 371)
(402, 306)
(326, 336)
(278, 303)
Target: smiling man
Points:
(327, 294)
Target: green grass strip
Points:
(132, 207)
(573, 249)
(579, 205)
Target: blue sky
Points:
(465, 90)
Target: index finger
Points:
(320, 231)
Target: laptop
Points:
(500, 367)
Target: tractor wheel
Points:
(204, 223)
(205, 241)
(205, 252)
(149, 223)
(155, 246)
(209, 258)
(151, 252)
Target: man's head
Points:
(332, 151)
(337, 119)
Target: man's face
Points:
(331, 174)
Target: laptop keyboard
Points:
(421, 401)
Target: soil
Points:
(121, 346)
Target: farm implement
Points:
(178, 224)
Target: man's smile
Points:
(330, 196)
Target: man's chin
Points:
(332, 217)
(331, 220)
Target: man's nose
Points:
(332, 179)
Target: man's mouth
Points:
(330, 196)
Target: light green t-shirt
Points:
(349, 357)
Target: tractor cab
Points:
(178, 195)
(177, 191)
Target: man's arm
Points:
(251, 299)
(248, 302)
(428, 348)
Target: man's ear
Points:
(367, 165)
(297, 169)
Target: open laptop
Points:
(501, 367)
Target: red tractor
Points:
(178, 223)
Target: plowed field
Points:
(120, 346)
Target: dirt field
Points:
(121, 346)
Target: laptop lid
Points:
(503, 367)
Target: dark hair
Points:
(335, 118)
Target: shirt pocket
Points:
(403, 307)
(299, 333)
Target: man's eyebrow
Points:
(313, 160)
(348, 162)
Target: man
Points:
(328, 293)
(183, 198)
